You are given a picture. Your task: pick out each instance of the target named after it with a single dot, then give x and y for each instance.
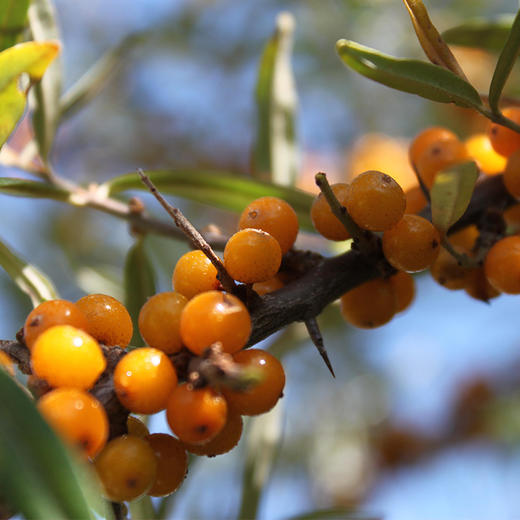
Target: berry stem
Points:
(315, 334)
(463, 259)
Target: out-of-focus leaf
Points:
(490, 35)
(139, 284)
(35, 189)
(13, 14)
(27, 277)
(46, 95)
(342, 513)
(451, 193)
(31, 58)
(276, 153)
(40, 479)
(220, 189)
(414, 76)
(505, 63)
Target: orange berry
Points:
(425, 139)
(370, 304)
(478, 286)
(78, 417)
(193, 274)
(172, 464)
(412, 244)
(7, 363)
(215, 316)
(503, 140)
(196, 415)
(143, 380)
(50, 313)
(447, 271)
(480, 150)
(415, 200)
(66, 356)
(325, 222)
(108, 319)
(465, 239)
(261, 397)
(512, 174)
(274, 216)
(252, 256)
(502, 265)
(269, 286)
(126, 467)
(375, 201)
(403, 286)
(136, 427)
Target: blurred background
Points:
(423, 418)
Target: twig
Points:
(315, 334)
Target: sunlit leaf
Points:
(13, 14)
(416, 77)
(28, 188)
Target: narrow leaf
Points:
(27, 277)
(34, 189)
(276, 154)
(417, 77)
(13, 14)
(451, 193)
(505, 63)
(40, 479)
(334, 514)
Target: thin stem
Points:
(424, 189)
(500, 119)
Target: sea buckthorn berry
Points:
(324, 221)
(7, 363)
(196, 415)
(478, 286)
(108, 319)
(503, 140)
(159, 321)
(480, 150)
(50, 313)
(465, 239)
(252, 256)
(415, 200)
(215, 316)
(269, 286)
(502, 265)
(66, 356)
(447, 271)
(225, 441)
(274, 216)
(370, 304)
(143, 380)
(136, 427)
(412, 244)
(512, 174)
(193, 274)
(78, 417)
(172, 464)
(403, 286)
(261, 397)
(126, 467)
(425, 139)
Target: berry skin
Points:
(325, 222)
(370, 304)
(108, 319)
(261, 397)
(502, 265)
(143, 380)
(447, 272)
(50, 313)
(159, 321)
(480, 150)
(503, 140)
(136, 427)
(403, 286)
(269, 286)
(415, 200)
(215, 316)
(512, 174)
(126, 467)
(375, 201)
(196, 415)
(252, 256)
(78, 417)
(6, 363)
(478, 286)
(66, 356)
(274, 216)
(193, 274)
(412, 244)
(425, 139)
(172, 464)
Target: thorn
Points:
(315, 334)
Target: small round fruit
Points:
(403, 286)
(478, 286)
(503, 140)
(412, 244)
(502, 265)
(480, 150)
(172, 464)
(512, 174)
(66, 356)
(274, 216)
(415, 200)
(143, 380)
(108, 319)
(194, 274)
(127, 467)
(215, 316)
(324, 221)
(447, 271)
(426, 138)
(269, 286)
(50, 313)
(375, 201)
(7, 363)
(196, 415)
(136, 427)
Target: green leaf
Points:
(481, 33)
(40, 479)
(13, 14)
(334, 514)
(276, 151)
(31, 58)
(27, 277)
(505, 63)
(215, 188)
(35, 189)
(139, 284)
(451, 193)
(413, 76)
